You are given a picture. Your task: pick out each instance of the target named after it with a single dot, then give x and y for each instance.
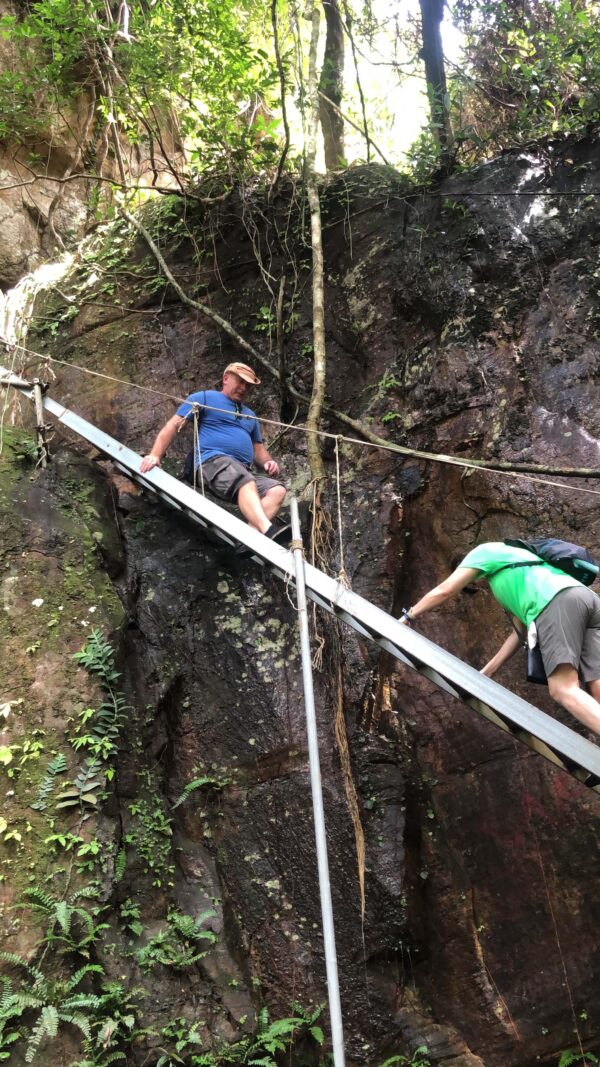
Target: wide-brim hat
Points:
(243, 371)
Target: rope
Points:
(197, 450)
(342, 576)
(416, 453)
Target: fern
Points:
(18, 961)
(46, 1026)
(198, 783)
(39, 900)
(569, 1057)
(69, 924)
(101, 1060)
(75, 979)
(177, 946)
(98, 658)
(58, 765)
(99, 728)
(120, 864)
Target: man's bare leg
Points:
(564, 687)
(272, 501)
(250, 505)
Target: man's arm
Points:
(161, 444)
(504, 653)
(263, 459)
(447, 589)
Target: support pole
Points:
(333, 986)
(40, 424)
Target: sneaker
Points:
(282, 535)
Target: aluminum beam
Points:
(545, 735)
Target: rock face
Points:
(462, 322)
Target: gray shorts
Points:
(225, 477)
(569, 632)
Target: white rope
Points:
(342, 576)
(197, 449)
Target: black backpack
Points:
(574, 560)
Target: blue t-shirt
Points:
(224, 432)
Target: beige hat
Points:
(243, 371)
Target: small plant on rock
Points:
(583, 1059)
(419, 1058)
(178, 945)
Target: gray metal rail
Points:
(510, 713)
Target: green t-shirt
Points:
(523, 591)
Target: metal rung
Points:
(545, 735)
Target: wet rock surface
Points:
(462, 322)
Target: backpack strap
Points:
(521, 563)
(521, 635)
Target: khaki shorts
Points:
(569, 632)
(225, 477)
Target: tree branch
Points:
(365, 134)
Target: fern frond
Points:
(199, 783)
(280, 1028)
(38, 898)
(89, 968)
(83, 1000)
(63, 915)
(47, 1024)
(80, 1021)
(18, 961)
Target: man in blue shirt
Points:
(229, 442)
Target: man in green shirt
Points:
(566, 614)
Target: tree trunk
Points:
(313, 419)
(432, 14)
(331, 85)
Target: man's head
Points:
(237, 380)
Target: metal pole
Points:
(40, 424)
(333, 986)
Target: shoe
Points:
(282, 535)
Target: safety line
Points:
(433, 457)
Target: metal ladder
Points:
(546, 736)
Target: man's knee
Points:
(277, 493)
(563, 680)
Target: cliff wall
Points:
(465, 322)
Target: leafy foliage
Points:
(531, 70)
(419, 1058)
(206, 780)
(268, 1042)
(71, 927)
(177, 946)
(182, 72)
(585, 1059)
(102, 725)
(54, 1001)
(98, 728)
(58, 765)
(42, 1002)
(84, 789)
